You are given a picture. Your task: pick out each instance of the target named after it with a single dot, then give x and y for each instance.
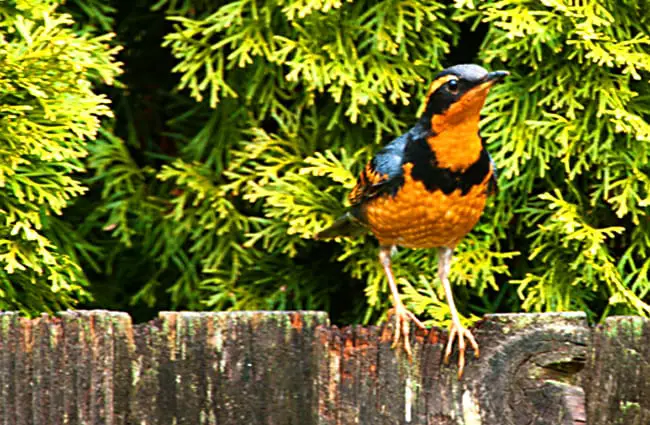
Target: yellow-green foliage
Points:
(230, 153)
(49, 111)
(568, 131)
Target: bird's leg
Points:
(402, 315)
(456, 330)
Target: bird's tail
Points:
(348, 225)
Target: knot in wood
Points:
(532, 369)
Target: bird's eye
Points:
(452, 86)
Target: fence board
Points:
(284, 368)
(619, 382)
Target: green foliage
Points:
(327, 79)
(241, 126)
(569, 132)
(577, 151)
(49, 111)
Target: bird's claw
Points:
(402, 329)
(458, 331)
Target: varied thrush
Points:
(427, 188)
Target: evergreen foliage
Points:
(49, 111)
(242, 125)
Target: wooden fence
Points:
(284, 368)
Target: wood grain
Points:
(284, 368)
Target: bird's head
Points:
(457, 94)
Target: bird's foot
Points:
(402, 328)
(457, 331)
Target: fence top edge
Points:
(321, 317)
(561, 314)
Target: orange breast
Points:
(417, 218)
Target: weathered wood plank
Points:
(94, 378)
(619, 380)
(529, 372)
(221, 368)
(532, 369)
(62, 369)
(293, 368)
(8, 354)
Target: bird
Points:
(427, 189)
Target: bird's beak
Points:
(489, 80)
(496, 76)
(472, 100)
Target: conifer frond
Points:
(49, 110)
(210, 181)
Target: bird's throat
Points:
(457, 146)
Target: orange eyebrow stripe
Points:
(436, 84)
